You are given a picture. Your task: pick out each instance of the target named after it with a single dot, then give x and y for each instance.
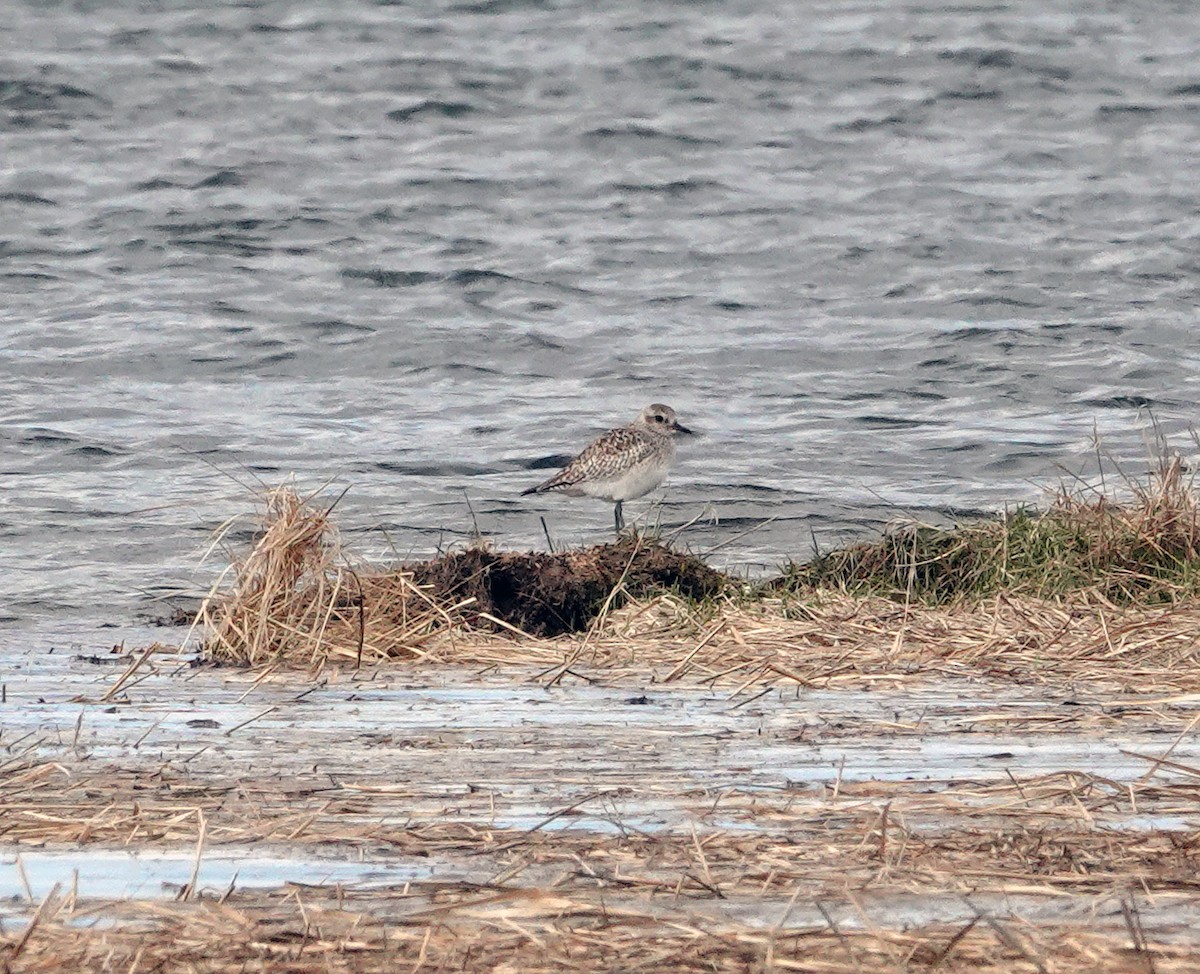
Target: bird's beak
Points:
(675, 427)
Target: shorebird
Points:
(621, 464)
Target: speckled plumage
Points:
(623, 463)
(607, 457)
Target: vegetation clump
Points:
(295, 597)
(1144, 549)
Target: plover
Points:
(623, 463)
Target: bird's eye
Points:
(659, 418)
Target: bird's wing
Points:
(606, 456)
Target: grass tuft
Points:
(1142, 549)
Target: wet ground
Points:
(406, 789)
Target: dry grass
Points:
(832, 641)
(297, 597)
(707, 899)
(552, 933)
(839, 640)
(1040, 834)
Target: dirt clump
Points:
(550, 594)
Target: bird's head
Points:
(662, 419)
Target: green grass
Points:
(1143, 548)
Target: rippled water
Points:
(887, 255)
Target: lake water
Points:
(888, 256)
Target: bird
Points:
(623, 463)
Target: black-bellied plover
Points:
(621, 464)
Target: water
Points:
(142, 874)
(888, 256)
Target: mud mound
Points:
(551, 594)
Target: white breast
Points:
(634, 482)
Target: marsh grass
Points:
(1142, 548)
(297, 598)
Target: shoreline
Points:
(373, 769)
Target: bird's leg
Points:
(618, 518)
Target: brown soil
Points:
(553, 594)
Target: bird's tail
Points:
(532, 490)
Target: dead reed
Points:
(816, 879)
(837, 640)
(551, 932)
(294, 596)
